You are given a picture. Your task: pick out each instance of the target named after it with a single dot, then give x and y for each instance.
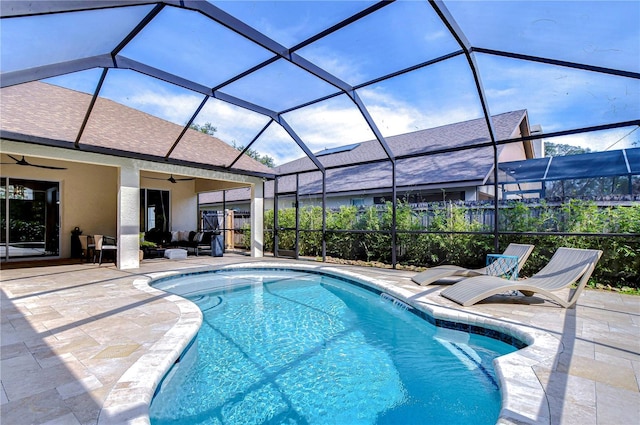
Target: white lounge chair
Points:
(437, 273)
(565, 267)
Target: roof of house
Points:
(467, 133)
(413, 169)
(50, 112)
(469, 167)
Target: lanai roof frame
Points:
(12, 9)
(281, 53)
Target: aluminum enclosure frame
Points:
(114, 60)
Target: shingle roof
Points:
(467, 133)
(47, 111)
(463, 168)
(470, 167)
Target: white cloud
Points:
(619, 138)
(233, 123)
(329, 124)
(337, 123)
(287, 35)
(276, 143)
(434, 36)
(558, 98)
(344, 67)
(396, 116)
(175, 108)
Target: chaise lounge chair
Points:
(565, 267)
(434, 274)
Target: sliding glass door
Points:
(154, 210)
(30, 218)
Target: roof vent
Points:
(345, 148)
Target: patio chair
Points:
(565, 267)
(88, 246)
(434, 274)
(104, 243)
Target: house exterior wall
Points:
(184, 205)
(100, 194)
(512, 152)
(184, 208)
(516, 152)
(88, 196)
(89, 200)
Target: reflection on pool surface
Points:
(282, 346)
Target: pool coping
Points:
(524, 400)
(128, 402)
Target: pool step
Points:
(206, 302)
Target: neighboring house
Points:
(420, 177)
(113, 173)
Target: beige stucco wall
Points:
(89, 200)
(512, 152)
(184, 204)
(99, 193)
(516, 152)
(88, 195)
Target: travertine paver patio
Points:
(72, 334)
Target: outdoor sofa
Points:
(189, 240)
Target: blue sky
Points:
(406, 33)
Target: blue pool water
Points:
(288, 347)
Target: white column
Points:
(257, 220)
(129, 218)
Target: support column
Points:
(257, 220)
(129, 218)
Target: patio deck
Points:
(70, 333)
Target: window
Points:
(154, 210)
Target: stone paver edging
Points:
(129, 400)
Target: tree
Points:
(264, 159)
(210, 129)
(560, 149)
(206, 128)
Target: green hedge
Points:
(365, 234)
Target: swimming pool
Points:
(280, 346)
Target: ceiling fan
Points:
(171, 179)
(28, 164)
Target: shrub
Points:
(453, 235)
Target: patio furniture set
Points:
(172, 244)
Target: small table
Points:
(505, 266)
(154, 252)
